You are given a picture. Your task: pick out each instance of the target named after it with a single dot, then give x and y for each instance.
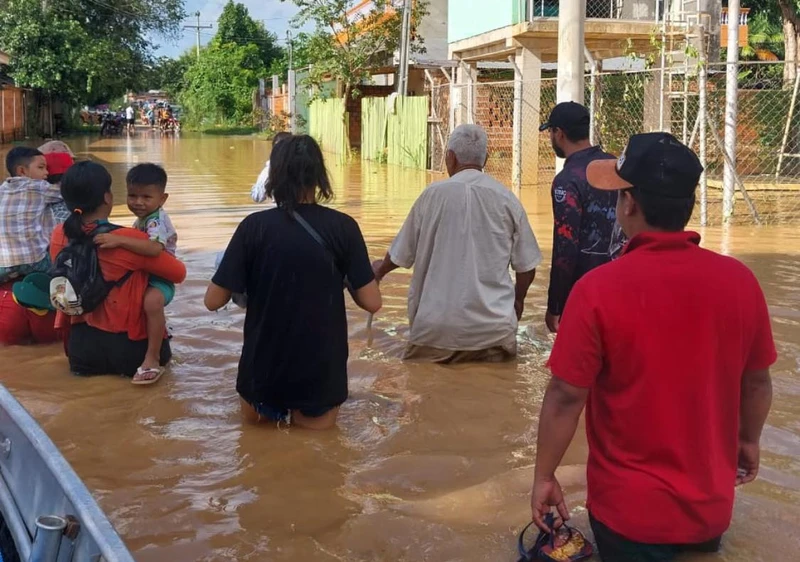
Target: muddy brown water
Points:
(429, 463)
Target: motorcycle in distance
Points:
(111, 124)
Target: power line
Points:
(257, 40)
(197, 28)
(121, 11)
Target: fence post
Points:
(702, 83)
(292, 99)
(274, 95)
(731, 110)
(593, 72)
(471, 92)
(516, 151)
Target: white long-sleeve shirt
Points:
(259, 190)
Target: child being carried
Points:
(26, 214)
(147, 184)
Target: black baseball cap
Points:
(566, 116)
(657, 163)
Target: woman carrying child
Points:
(112, 338)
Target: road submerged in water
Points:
(429, 462)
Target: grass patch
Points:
(82, 129)
(229, 131)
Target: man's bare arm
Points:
(382, 268)
(561, 410)
(755, 402)
(524, 282)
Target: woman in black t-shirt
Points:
(294, 261)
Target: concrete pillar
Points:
(527, 103)
(731, 111)
(655, 101)
(571, 66)
(571, 17)
(463, 97)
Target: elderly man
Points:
(460, 236)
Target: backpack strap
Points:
(105, 228)
(121, 281)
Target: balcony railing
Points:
(744, 13)
(596, 9)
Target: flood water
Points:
(429, 463)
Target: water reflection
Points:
(429, 462)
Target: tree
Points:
(83, 50)
(345, 47)
(169, 75)
(791, 33)
(236, 26)
(219, 86)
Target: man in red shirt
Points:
(669, 348)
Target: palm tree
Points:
(765, 38)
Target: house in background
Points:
(525, 32)
(384, 74)
(12, 105)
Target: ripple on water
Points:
(428, 463)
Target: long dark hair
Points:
(83, 188)
(297, 168)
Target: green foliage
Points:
(219, 86)
(236, 26)
(347, 48)
(169, 74)
(83, 51)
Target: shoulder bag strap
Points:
(314, 234)
(319, 240)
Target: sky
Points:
(274, 13)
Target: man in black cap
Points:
(583, 216)
(671, 347)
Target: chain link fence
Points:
(606, 9)
(767, 157)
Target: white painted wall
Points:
(433, 29)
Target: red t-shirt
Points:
(123, 309)
(661, 337)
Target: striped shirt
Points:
(26, 220)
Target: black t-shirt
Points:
(295, 330)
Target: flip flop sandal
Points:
(143, 372)
(565, 544)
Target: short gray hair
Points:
(470, 144)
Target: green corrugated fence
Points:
(327, 125)
(373, 129)
(397, 135)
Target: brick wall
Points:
(494, 111)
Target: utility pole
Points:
(289, 44)
(197, 28)
(292, 79)
(405, 43)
